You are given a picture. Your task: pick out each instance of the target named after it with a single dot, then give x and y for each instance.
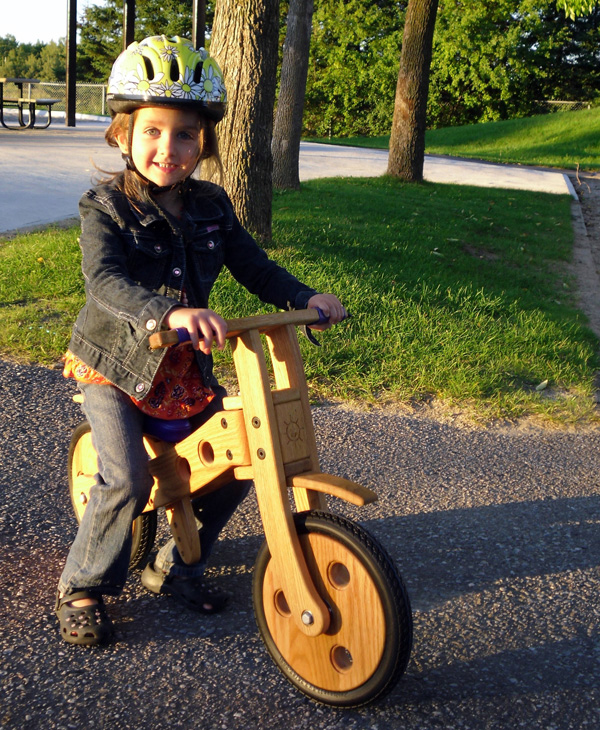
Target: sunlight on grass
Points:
(457, 293)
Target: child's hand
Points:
(204, 326)
(331, 307)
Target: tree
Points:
(102, 31)
(32, 60)
(353, 67)
(53, 59)
(101, 41)
(407, 138)
(244, 42)
(292, 88)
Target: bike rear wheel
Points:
(367, 646)
(82, 469)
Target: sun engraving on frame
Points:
(294, 430)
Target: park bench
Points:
(24, 105)
(31, 105)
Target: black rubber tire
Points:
(396, 629)
(144, 526)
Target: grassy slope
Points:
(569, 140)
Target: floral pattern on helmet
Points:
(158, 67)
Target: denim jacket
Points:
(137, 261)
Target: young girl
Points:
(153, 241)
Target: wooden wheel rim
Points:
(348, 654)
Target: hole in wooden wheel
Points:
(339, 575)
(341, 659)
(183, 468)
(281, 605)
(206, 453)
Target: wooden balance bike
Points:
(330, 605)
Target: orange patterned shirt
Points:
(178, 391)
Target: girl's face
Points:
(164, 144)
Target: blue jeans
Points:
(99, 557)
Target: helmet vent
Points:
(149, 68)
(198, 73)
(174, 70)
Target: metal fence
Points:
(563, 106)
(89, 98)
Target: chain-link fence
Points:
(562, 106)
(89, 98)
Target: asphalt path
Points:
(495, 531)
(43, 172)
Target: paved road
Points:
(496, 532)
(44, 172)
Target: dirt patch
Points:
(480, 253)
(586, 251)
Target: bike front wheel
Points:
(367, 646)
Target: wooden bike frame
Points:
(265, 434)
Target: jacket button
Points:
(140, 387)
(176, 272)
(151, 324)
(210, 244)
(158, 248)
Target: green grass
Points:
(568, 140)
(456, 293)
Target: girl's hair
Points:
(134, 185)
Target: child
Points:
(154, 241)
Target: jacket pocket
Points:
(148, 259)
(207, 254)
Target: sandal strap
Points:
(68, 597)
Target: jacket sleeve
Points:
(251, 266)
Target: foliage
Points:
(575, 8)
(490, 61)
(353, 66)
(495, 61)
(46, 62)
(102, 32)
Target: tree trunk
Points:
(244, 42)
(407, 139)
(292, 89)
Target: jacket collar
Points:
(200, 205)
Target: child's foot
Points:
(83, 619)
(193, 593)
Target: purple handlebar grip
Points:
(323, 318)
(183, 334)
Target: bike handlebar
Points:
(235, 327)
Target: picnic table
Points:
(26, 105)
